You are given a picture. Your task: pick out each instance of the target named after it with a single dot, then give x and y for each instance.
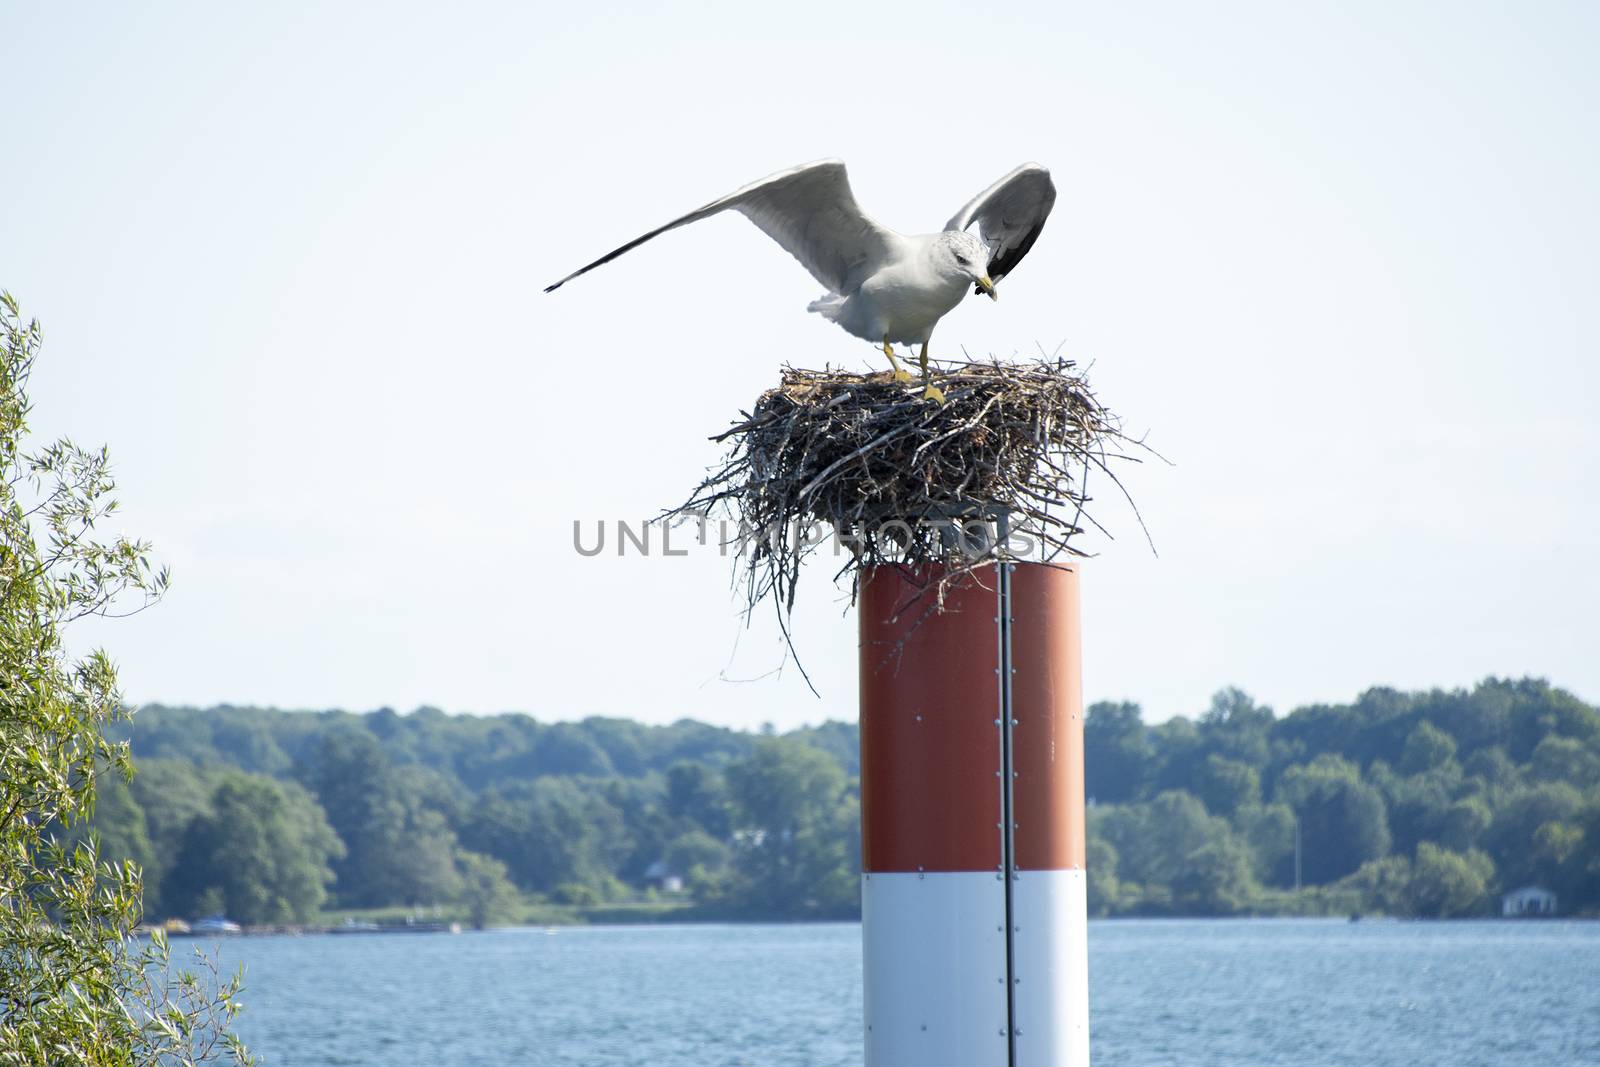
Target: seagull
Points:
(885, 287)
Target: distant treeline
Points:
(1424, 803)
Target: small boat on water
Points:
(215, 924)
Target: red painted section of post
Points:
(1047, 704)
(929, 694)
(930, 688)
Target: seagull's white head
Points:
(962, 255)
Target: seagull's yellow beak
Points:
(987, 286)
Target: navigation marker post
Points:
(974, 919)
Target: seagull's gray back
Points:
(901, 296)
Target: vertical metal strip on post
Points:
(1008, 775)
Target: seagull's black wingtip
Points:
(552, 288)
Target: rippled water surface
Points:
(1191, 993)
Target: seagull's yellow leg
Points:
(900, 373)
(929, 390)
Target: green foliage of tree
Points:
(262, 851)
(398, 848)
(1437, 884)
(795, 832)
(1584, 869)
(1269, 831)
(76, 987)
(1104, 888)
(696, 854)
(1564, 759)
(1464, 823)
(647, 826)
(1493, 769)
(1216, 878)
(1117, 755)
(486, 890)
(1513, 839)
(1181, 858)
(837, 739)
(699, 794)
(569, 750)
(1445, 883)
(427, 871)
(1384, 885)
(1181, 749)
(355, 783)
(1227, 785)
(1343, 820)
(1426, 748)
(1538, 711)
(1238, 728)
(171, 794)
(1418, 802)
(550, 832)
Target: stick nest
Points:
(862, 468)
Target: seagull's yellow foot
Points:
(900, 373)
(930, 391)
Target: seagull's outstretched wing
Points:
(809, 210)
(1010, 214)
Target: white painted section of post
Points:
(1051, 961)
(934, 963)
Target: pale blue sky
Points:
(1338, 260)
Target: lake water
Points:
(1193, 993)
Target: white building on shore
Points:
(1528, 900)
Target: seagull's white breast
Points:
(901, 299)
